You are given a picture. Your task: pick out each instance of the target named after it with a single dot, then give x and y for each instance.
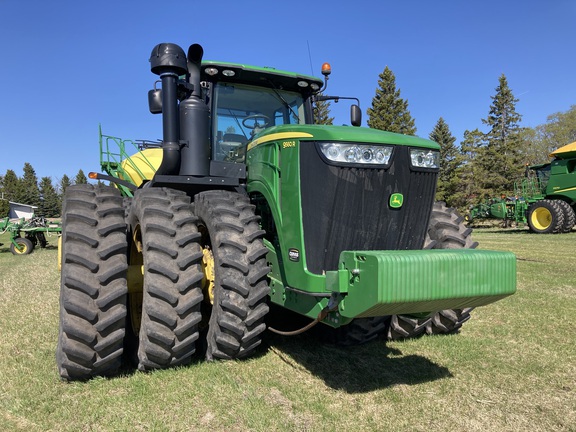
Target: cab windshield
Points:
(543, 175)
(241, 111)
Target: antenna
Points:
(310, 57)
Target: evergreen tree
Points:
(63, 185)
(468, 173)
(389, 111)
(4, 208)
(4, 205)
(322, 112)
(449, 162)
(80, 178)
(12, 186)
(30, 191)
(500, 157)
(50, 201)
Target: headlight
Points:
(423, 158)
(357, 153)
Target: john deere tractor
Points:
(551, 190)
(247, 207)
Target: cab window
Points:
(242, 111)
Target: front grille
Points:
(346, 208)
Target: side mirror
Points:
(355, 115)
(155, 101)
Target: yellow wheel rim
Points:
(208, 280)
(541, 218)
(21, 249)
(135, 279)
(59, 253)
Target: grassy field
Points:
(512, 367)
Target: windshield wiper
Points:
(237, 122)
(286, 104)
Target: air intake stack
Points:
(169, 62)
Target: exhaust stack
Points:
(195, 121)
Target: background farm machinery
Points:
(25, 235)
(510, 210)
(544, 199)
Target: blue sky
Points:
(67, 66)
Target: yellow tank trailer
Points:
(134, 162)
(142, 165)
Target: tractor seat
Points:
(233, 140)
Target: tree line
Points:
(488, 160)
(28, 190)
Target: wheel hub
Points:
(208, 269)
(541, 218)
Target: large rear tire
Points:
(165, 240)
(232, 234)
(569, 216)
(93, 283)
(546, 217)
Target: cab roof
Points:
(565, 152)
(214, 71)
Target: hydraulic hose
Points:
(323, 314)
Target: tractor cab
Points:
(245, 100)
(542, 174)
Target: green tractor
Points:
(551, 190)
(247, 209)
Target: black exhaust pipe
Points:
(195, 122)
(169, 62)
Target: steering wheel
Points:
(256, 125)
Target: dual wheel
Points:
(551, 217)
(134, 280)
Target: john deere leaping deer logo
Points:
(396, 200)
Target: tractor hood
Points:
(340, 134)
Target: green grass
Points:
(512, 367)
